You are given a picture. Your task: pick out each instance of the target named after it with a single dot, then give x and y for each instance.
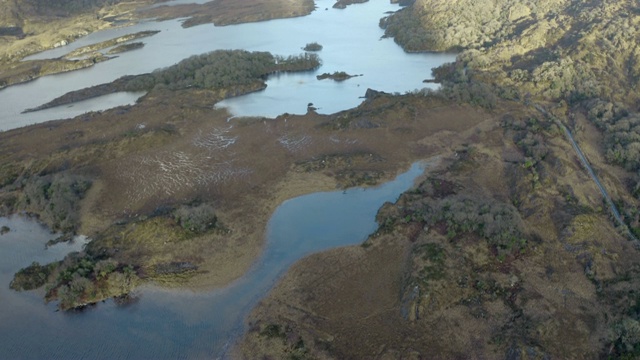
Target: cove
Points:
(351, 39)
(170, 324)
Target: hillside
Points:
(581, 59)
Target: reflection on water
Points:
(351, 39)
(170, 323)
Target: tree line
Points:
(221, 69)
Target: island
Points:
(313, 46)
(336, 76)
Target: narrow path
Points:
(587, 166)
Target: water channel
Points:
(171, 324)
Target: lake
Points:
(351, 39)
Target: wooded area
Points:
(222, 68)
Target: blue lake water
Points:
(351, 38)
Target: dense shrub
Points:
(499, 223)
(436, 204)
(55, 198)
(31, 277)
(314, 46)
(626, 338)
(81, 279)
(197, 219)
(222, 68)
(622, 132)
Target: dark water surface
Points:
(169, 324)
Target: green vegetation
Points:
(555, 50)
(531, 135)
(81, 279)
(456, 215)
(273, 331)
(429, 25)
(31, 277)
(433, 255)
(622, 133)
(626, 338)
(313, 46)
(336, 76)
(114, 263)
(78, 280)
(458, 86)
(623, 340)
(55, 198)
(621, 129)
(406, 29)
(295, 348)
(342, 4)
(496, 222)
(198, 219)
(9, 173)
(221, 69)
